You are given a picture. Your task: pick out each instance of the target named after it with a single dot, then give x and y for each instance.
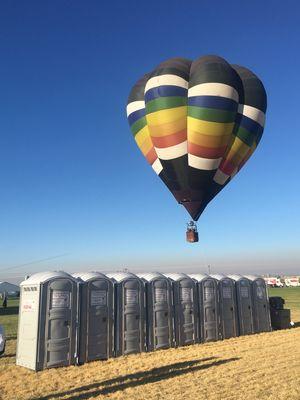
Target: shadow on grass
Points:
(9, 310)
(8, 356)
(297, 324)
(140, 378)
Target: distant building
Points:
(9, 289)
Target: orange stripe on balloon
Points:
(170, 140)
(151, 156)
(202, 139)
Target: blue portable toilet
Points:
(159, 311)
(185, 309)
(208, 321)
(129, 313)
(228, 326)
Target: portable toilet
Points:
(244, 304)
(159, 318)
(208, 321)
(185, 310)
(47, 321)
(228, 324)
(96, 298)
(260, 304)
(129, 313)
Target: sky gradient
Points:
(74, 185)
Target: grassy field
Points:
(264, 366)
(292, 300)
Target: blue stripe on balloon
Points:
(165, 91)
(133, 117)
(221, 103)
(251, 125)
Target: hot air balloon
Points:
(197, 123)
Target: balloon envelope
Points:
(197, 123)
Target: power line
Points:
(34, 262)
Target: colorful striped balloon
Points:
(197, 123)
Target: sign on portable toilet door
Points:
(60, 299)
(98, 298)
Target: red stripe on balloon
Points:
(227, 167)
(206, 152)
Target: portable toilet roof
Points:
(253, 277)
(87, 276)
(176, 276)
(236, 277)
(121, 276)
(42, 277)
(150, 276)
(199, 277)
(219, 277)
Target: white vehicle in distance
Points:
(292, 281)
(273, 282)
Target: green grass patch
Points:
(291, 296)
(9, 318)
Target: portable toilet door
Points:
(260, 304)
(208, 307)
(96, 317)
(228, 324)
(129, 313)
(159, 323)
(47, 321)
(184, 308)
(244, 304)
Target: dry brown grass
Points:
(265, 366)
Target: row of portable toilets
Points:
(72, 319)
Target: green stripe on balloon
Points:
(138, 125)
(211, 114)
(245, 136)
(163, 103)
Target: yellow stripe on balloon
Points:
(166, 116)
(208, 140)
(142, 135)
(237, 152)
(143, 140)
(209, 128)
(248, 155)
(168, 129)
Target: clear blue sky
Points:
(72, 179)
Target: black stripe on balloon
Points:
(255, 93)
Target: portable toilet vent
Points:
(244, 304)
(260, 304)
(129, 313)
(159, 321)
(47, 321)
(228, 326)
(96, 317)
(208, 307)
(184, 309)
